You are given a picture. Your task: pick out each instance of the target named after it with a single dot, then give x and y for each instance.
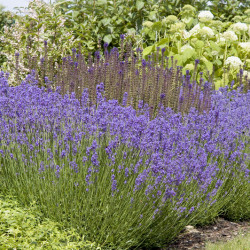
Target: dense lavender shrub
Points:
(118, 176)
(157, 79)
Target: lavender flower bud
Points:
(162, 96)
(144, 63)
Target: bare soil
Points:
(196, 238)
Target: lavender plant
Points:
(153, 81)
(122, 179)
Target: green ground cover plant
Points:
(26, 228)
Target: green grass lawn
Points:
(241, 242)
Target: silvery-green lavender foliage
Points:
(119, 177)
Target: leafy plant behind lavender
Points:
(6, 20)
(191, 35)
(66, 23)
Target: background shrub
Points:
(66, 24)
(42, 22)
(6, 19)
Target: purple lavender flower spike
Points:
(162, 96)
(105, 45)
(125, 99)
(122, 36)
(197, 61)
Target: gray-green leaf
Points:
(208, 64)
(106, 21)
(107, 39)
(139, 4)
(148, 50)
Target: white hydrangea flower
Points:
(230, 35)
(185, 34)
(186, 46)
(177, 27)
(245, 46)
(195, 29)
(170, 19)
(205, 16)
(147, 24)
(220, 38)
(234, 62)
(207, 31)
(239, 26)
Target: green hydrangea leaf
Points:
(162, 41)
(208, 64)
(148, 50)
(218, 62)
(218, 84)
(107, 39)
(214, 46)
(189, 67)
(179, 59)
(139, 4)
(188, 54)
(152, 15)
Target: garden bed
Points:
(131, 145)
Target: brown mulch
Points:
(196, 238)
